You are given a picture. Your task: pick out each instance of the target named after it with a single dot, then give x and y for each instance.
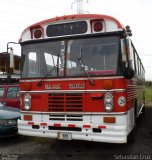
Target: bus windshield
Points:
(100, 57)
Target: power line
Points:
(6, 30)
(34, 5)
(10, 13)
(8, 21)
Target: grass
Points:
(148, 94)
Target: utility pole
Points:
(10, 64)
(79, 4)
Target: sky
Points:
(16, 15)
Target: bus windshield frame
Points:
(101, 56)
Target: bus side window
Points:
(131, 58)
(136, 62)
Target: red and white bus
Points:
(82, 79)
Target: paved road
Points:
(25, 148)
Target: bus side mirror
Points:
(129, 73)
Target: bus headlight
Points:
(27, 102)
(108, 102)
(108, 107)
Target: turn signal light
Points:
(109, 119)
(108, 84)
(27, 117)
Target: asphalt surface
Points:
(25, 148)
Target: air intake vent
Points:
(69, 102)
(74, 117)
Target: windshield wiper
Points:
(84, 69)
(40, 82)
(55, 67)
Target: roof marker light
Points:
(37, 33)
(98, 26)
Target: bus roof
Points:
(79, 16)
(72, 18)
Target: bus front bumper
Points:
(104, 133)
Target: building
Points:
(8, 74)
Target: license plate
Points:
(64, 136)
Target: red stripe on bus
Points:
(31, 123)
(71, 125)
(43, 124)
(57, 125)
(103, 127)
(86, 126)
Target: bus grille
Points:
(69, 102)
